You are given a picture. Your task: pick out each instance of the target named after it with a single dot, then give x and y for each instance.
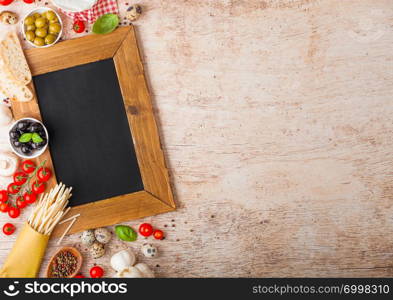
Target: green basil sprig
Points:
(106, 24)
(126, 233)
(27, 137)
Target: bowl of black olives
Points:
(28, 138)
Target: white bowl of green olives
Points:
(42, 27)
(28, 138)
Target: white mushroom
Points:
(131, 272)
(145, 270)
(122, 260)
(8, 164)
(149, 250)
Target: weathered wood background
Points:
(276, 120)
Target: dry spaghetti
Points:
(50, 209)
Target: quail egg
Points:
(102, 235)
(88, 237)
(97, 250)
(149, 250)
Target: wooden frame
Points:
(121, 45)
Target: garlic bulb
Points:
(122, 260)
(8, 164)
(130, 272)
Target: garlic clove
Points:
(130, 272)
(145, 270)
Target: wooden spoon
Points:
(74, 252)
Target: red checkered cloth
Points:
(102, 7)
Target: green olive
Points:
(50, 39)
(30, 28)
(54, 28)
(55, 20)
(36, 16)
(40, 22)
(39, 41)
(50, 15)
(29, 21)
(41, 32)
(30, 36)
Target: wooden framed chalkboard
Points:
(91, 94)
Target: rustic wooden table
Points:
(276, 121)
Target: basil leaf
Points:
(25, 138)
(126, 233)
(36, 138)
(106, 24)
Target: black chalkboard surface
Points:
(89, 135)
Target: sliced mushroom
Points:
(8, 164)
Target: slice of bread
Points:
(13, 90)
(14, 61)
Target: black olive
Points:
(22, 125)
(35, 127)
(25, 149)
(16, 143)
(42, 133)
(14, 134)
(40, 145)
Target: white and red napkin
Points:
(102, 7)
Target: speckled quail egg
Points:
(88, 237)
(133, 12)
(149, 250)
(97, 250)
(102, 235)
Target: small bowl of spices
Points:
(65, 263)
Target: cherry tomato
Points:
(6, 2)
(13, 188)
(20, 178)
(8, 229)
(21, 202)
(96, 272)
(28, 166)
(3, 196)
(146, 229)
(28, 1)
(158, 234)
(38, 187)
(29, 197)
(4, 207)
(79, 26)
(43, 174)
(79, 276)
(14, 212)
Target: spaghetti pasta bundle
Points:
(35, 234)
(50, 209)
